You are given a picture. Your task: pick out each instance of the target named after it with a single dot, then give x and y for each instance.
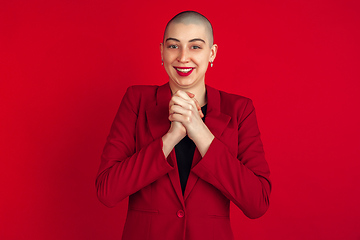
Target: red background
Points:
(64, 67)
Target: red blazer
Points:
(133, 164)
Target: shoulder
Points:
(232, 97)
(138, 92)
(234, 105)
(231, 100)
(146, 89)
(142, 97)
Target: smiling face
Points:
(186, 53)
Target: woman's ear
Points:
(213, 52)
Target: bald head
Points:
(191, 17)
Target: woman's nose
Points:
(183, 55)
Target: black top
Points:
(185, 150)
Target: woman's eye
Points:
(172, 46)
(195, 47)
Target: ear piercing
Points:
(162, 62)
(211, 64)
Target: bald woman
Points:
(182, 151)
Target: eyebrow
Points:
(192, 40)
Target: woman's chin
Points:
(184, 83)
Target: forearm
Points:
(169, 142)
(121, 176)
(203, 140)
(248, 188)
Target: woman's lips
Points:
(184, 71)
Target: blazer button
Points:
(180, 213)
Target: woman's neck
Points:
(199, 91)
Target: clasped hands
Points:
(186, 119)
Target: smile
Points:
(184, 71)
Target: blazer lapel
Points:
(216, 121)
(159, 124)
(157, 116)
(175, 178)
(192, 177)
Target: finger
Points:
(186, 100)
(177, 100)
(201, 114)
(182, 94)
(198, 107)
(196, 103)
(177, 118)
(191, 95)
(178, 110)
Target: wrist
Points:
(169, 142)
(204, 141)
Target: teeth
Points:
(185, 70)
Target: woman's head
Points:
(187, 49)
(191, 17)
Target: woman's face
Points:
(186, 54)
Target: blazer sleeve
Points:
(123, 171)
(244, 179)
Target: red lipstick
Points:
(184, 74)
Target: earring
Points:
(211, 64)
(162, 62)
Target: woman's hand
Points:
(185, 109)
(177, 128)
